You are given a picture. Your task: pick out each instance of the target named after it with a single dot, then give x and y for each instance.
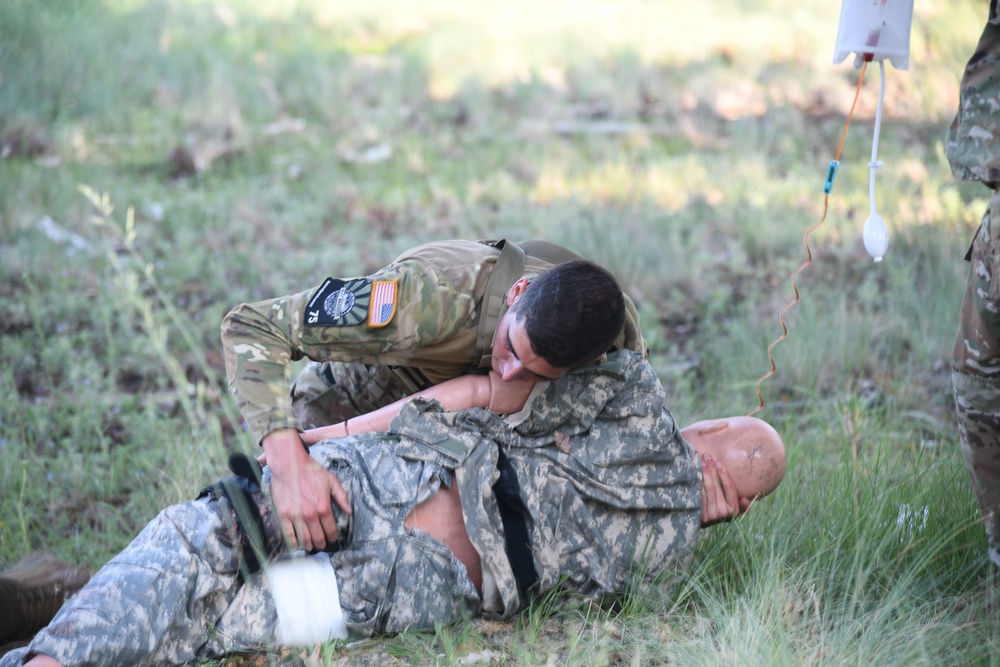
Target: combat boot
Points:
(33, 590)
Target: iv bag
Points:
(875, 30)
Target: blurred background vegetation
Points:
(262, 146)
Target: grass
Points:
(249, 149)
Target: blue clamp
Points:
(831, 173)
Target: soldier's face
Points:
(513, 359)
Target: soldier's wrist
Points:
(282, 442)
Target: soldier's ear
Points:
(516, 290)
(714, 426)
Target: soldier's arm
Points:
(301, 490)
(260, 340)
(468, 391)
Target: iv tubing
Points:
(814, 227)
(875, 164)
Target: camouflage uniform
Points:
(613, 489)
(431, 334)
(973, 148)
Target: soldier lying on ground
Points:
(591, 489)
(529, 311)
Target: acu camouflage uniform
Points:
(431, 337)
(612, 488)
(973, 148)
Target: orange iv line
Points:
(831, 174)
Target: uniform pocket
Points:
(990, 242)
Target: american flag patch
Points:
(383, 303)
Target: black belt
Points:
(514, 515)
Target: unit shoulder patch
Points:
(342, 303)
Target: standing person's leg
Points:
(976, 374)
(157, 602)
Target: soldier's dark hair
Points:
(572, 313)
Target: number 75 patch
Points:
(341, 303)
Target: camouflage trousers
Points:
(330, 392)
(976, 374)
(174, 594)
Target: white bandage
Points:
(307, 599)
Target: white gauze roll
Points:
(307, 598)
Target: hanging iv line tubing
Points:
(831, 175)
(875, 164)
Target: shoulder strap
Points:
(549, 252)
(508, 269)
